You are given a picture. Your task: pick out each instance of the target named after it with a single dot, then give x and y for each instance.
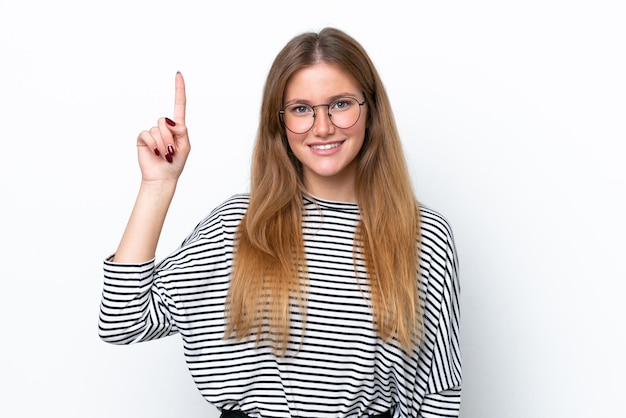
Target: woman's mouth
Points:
(325, 147)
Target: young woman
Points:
(327, 290)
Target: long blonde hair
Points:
(269, 260)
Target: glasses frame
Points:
(281, 113)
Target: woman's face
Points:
(327, 153)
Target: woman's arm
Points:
(162, 153)
(443, 397)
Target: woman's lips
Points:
(326, 148)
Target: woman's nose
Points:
(322, 124)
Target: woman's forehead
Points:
(321, 81)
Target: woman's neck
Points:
(336, 189)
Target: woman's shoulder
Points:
(235, 204)
(223, 218)
(434, 224)
(438, 255)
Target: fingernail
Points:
(170, 149)
(170, 122)
(168, 157)
(156, 152)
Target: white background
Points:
(512, 115)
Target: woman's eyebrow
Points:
(330, 99)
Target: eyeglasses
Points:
(343, 112)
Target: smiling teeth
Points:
(326, 146)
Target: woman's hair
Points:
(269, 265)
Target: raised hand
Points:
(163, 149)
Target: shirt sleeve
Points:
(443, 398)
(446, 403)
(132, 307)
(144, 301)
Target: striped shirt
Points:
(338, 366)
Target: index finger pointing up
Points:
(180, 99)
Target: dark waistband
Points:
(238, 414)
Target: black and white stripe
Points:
(338, 367)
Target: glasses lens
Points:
(299, 117)
(344, 112)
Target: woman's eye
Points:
(340, 104)
(299, 109)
